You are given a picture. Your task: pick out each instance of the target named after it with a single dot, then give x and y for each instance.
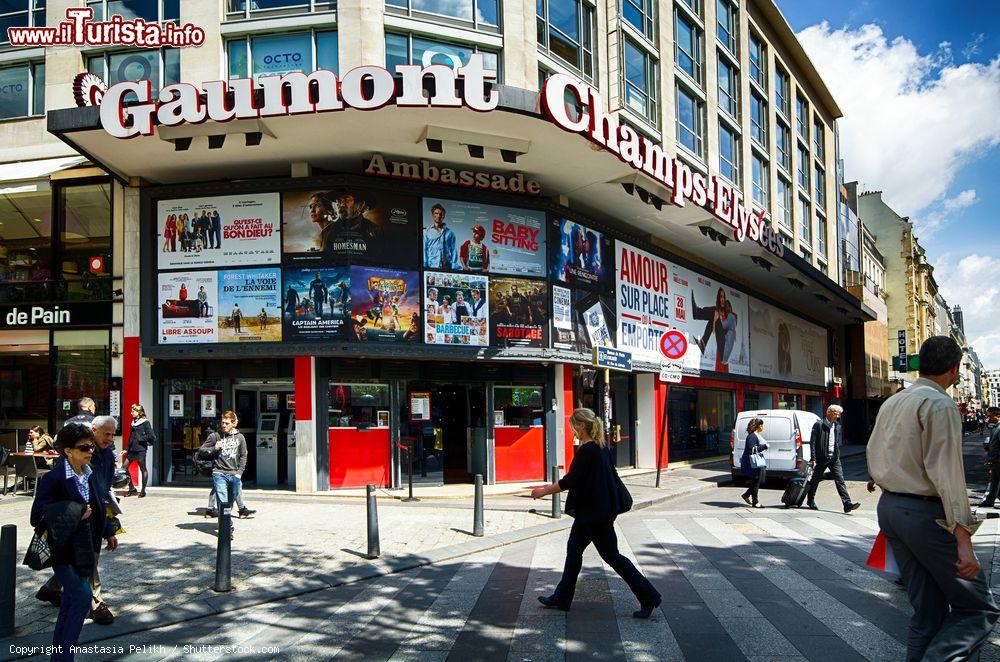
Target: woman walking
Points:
(594, 501)
(142, 437)
(754, 444)
(70, 507)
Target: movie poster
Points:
(644, 303)
(581, 319)
(219, 231)
(385, 305)
(345, 225)
(715, 319)
(249, 305)
(786, 347)
(480, 238)
(518, 312)
(456, 309)
(188, 303)
(317, 303)
(582, 256)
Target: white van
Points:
(786, 431)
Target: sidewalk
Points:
(162, 573)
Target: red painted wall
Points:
(357, 457)
(567, 412)
(303, 388)
(520, 454)
(130, 394)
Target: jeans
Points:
(212, 500)
(94, 580)
(74, 608)
(227, 487)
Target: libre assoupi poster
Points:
(188, 303)
(385, 305)
(480, 238)
(220, 231)
(518, 312)
(347, 225)
(456, 309)
(581, 319)
(786, 347)
(317, 303)
(249, 307)
(582, 256)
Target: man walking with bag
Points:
(827, 435)
(915, 456)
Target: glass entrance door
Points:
(444, 426)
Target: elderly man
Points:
(87, 409)
(915, 456)
(103, 465)
(827, 435)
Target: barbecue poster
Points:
(350, 225)
(188, 303)
(480, 238)
(316, 304)
(220, 231)
(581, 256)
(518, 312)
(385, 305)
(249, 307)
(456, 309)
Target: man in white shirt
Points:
(826, 437)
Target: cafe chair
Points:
(26, 468)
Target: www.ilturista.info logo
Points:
(80, 30)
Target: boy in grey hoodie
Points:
(228, 452)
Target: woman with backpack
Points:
(141, 438)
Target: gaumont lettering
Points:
(645, 156)
(129, 108)
(424, 171)
(79, 30)
(37, 315)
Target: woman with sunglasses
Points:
(69, 505)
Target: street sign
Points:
(673, 344)
(671, 373)
(612, 359)
(909, 363)
(901, 339)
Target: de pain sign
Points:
(55, 315)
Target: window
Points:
(640, 81)
(758, 61)
(20, 14)
(803, 167)
(802, 118)
(639, 13)
(782, 140)
(759, 171)
(24, 91)
(407, 49)
(357, 405)
(690, 119)
(784, 204)
(478, 12)
(727, 20)
(695, 5)
(148, 10)
(237, 9)
(758, 119)
(821, 235)
(566, 30)
(805, 220)
(729, 86)
(782, 86)
(159, 66)
(81, 365)
(805, 253)
(687, 40)
(282, 53)
(84, 225)
(818, 141)
(729, 154)
(820, 178)
(521, 405)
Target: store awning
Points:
(25, 176)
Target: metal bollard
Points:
(556, 498)
(374, 551)
(224, 549)
(8, 565)
(477, 518)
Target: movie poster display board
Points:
(715, 319)
(581, 256)
(456, 309)
(518, 312)
(317, 303)
(385, 305)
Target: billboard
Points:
(385, 305)
(518, 312)
(187, 307)
(346, 225)
(785, 347)
(317, 303)
(581, 256)
(581, 319)
(249, 307)
(643, 285)
(715, 319)
(481, 238)
(456, 309)
(230, 230)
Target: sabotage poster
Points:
(518, 312)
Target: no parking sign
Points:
(673, 344)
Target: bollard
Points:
(8, 564)
(477, 518)
(224, 548)
(556, 498)
(374, 550)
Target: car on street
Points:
(787, 432)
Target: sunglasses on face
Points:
(86, 448)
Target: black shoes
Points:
(647, 611)
(848, 507)
(985, 504)
(132, 492)
(551, 603)
(102, 615)
(746, 497)
(46, 594)
(812, 505)
(211, 513)
(246, 512)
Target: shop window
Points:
(409, 49)
(789, 401)
(152, 11)
(20, 14)
(517, 406)
(185, 424)
(729, 81)
(699, 421)
(688, 47)
(639, 13)
(480, 13)
(81, 367)
(159, 66)
(640, 80)
(23, 90)
(814, 403)
(24, 387)
(690, 121)
(281, 54)
(359, 405)
(565, 29)
(757, 400)
(84, 260)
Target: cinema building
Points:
(397, 233)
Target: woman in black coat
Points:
(594, 501)
(69, 505)
(141, 438)
(754, 444)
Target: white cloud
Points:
(911, 120)
(966, 198)
(972, 283)
(974, 47)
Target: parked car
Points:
(787, 432)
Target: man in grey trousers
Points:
(915, 456)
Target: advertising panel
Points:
(714, 317)
(582, 256)
(644, 303)
(518, 312)
(456, 309)
(350, 224)
(784, 347)
(581, 319)
(479, 238)
(188, 303)
(249, 305)
(317, 303)
(229, 230)
(385, 305)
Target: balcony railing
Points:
(852, 277)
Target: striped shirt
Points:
(82, 482)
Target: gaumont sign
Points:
(645, 156)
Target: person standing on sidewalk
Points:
(915, 456)
(141, 438)
(229, 456)
(594, 503)
(754, 444)
(827, 435)
(993, 459)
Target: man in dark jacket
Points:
(993, 458)
(827, 436)
(86, 414)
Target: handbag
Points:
(757, 460)
(39, 554)
(624, 498)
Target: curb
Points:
(174, 614)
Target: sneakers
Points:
(46, 594)
(246, 512)
(848, 507)
(102, 615)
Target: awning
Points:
(24, 176)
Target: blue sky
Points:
(935, 59)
